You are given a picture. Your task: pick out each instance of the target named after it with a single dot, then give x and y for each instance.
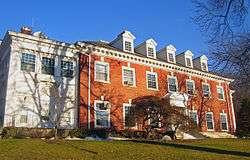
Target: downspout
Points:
(228, 108)
(232, 107)
(89, 80)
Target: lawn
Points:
(12, 149)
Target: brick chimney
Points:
(26, 30)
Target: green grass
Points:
(213, 149)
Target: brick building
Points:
(113, 74)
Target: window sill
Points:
(210, 130)
(132, 86)
(153, 89)
(222, 100)
(96, 80)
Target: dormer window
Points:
(124, 41)
(188, 62)
(147, 48)
(204, 66)
(171, 57)
(128, 46)
(150, 52)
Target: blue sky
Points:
(168, 22)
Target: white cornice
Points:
(151, 62)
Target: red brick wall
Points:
(117, 94)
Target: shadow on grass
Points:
(197, 148)
(81, 149)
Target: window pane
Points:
(190, 87)
(209, 119)
(150, 52)
(193, 116)
(188, 60)
(223, 120)
(102, 72)
(171, 57)
(129, 118)
(220, 92)
(128, 77)
(203, 66)
(28, 62)
(206, 90)
(23, 119)
(67, 69)
(128, 46)
(102, 114)
(152, 81)
(172, 84)
(48, 65)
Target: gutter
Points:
(89, 81)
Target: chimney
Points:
(26, 30)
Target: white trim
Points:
(192, 81)
(102, 63)
(191, 61)
(176, 82)
(124, 121)
(134, 77)
(232, 108)
(168, 59)
(156, 80)
(221, 87)
(203, 83)
(159, 64)
(225, 114)
(212, 120)
(108, 111)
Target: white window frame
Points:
(220, 87)
(124, 121)
(102, 63)
(212, 120)
(156, 79)
(208, 88)
(134, 77)
(154, 54)
(191, 63)
(194, 111)
(108, 110)
(130, 46)
(177, 87)
(221, 122)
(173, 57)
(189, 80)
(202, 61)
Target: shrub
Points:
(101, 133)
(79, 133)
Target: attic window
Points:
(171, 57)
(128, 46)
(150, 52)
(188, 62)
(204, 66)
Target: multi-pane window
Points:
(23, 119)
(28, 62)
(206, 90)
(190, 87)
(220, 92)
(67, 69)
(102, 71)
(223, 121)
(210, 120)
(128, 76)
(171, 57)
(128, 46)
(48, 65)
(194, 117)
(204, 66)
(188, 62)
(152, 80)
(172, 84)
(150, 52)
(129, 120)
(102, 114)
